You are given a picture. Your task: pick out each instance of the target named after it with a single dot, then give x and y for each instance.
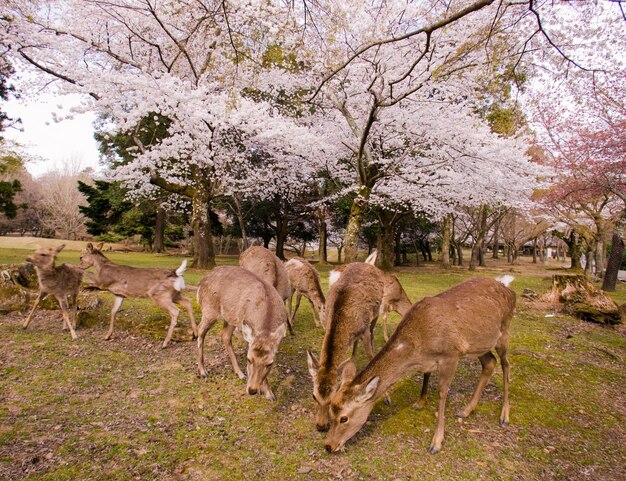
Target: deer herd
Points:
(469, 320)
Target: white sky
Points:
(56, 143)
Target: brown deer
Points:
(251, 304)
(305, 281)
(394, 296)
(62, 282)
(352, 308)
(163, 286)
(468, 320)
(266, 265)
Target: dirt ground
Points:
(126, 409)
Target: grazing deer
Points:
(469, 319)
(352, 310)
(251, 304)
(163, 286)
(305, 281)
(266, 265)
(394, 296)
(61, 281)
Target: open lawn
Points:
(127, 410)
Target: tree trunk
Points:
(459, 254)
(599, 257)
(242, 224)
(417, 256)
(614, 262)
(535, 250)
(445, 242)
(574, 250)
(281, 237)
(159, 231)
(480, 239)
(496, 241)
(203, 254)
(386, 242)
(322, 249)
(581, 299)
(357, 210)
(398, 248)
(339, 251)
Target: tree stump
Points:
(578, 297)
(19, 289)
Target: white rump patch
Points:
(506, 279)
(295, 262)
(179, 283)
(333, 277)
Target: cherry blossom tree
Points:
(194, 63)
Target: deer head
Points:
(350, 406)
(260, 359)
(88, 253)
(44, 257)
(323, 387)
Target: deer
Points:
(244, 301)
(305, 281)
(468, 320)
(61, 281)
(352, 308)
(163, 286)
(394, 295)
(266, 265)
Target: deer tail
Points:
(505, 279)
(179, 283)
(371, 259)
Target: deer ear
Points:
(369, 391)
(89, 247)
(248, 335)
(100, 246)
(59, 248)
(280, 332)
(347, 370)
(313, 363)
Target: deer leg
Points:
(170, 307)
(40, 297)
(354, 346)
(506, 367)
(488, 361)
(289, 301)
(267, 390)
(421, 402)
(288, 318)
(446, 373)
(227, 337)
(384, 310)
(368, 344)
(66, 315)
(297, 306)
(186, 303)
(116, 307)
(74, 299)
(316, 314)
(205, 324)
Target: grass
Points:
(125, 409)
